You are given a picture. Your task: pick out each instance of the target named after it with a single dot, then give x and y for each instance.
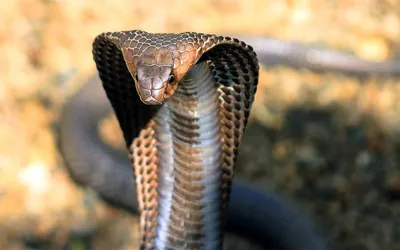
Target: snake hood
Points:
(158, 61)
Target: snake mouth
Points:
(151, 101)
(156, 89)
(151, 96)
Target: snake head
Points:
(154, 83)
(156, 62)
(154, 76)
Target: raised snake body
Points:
(254, 211)
(184, 151)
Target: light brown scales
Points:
(118, 55)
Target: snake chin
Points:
(152, 101)
(150, 96)
(155, 96)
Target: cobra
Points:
(132, 79)
(183, 152)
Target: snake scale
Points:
(183, 151)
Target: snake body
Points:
(184, 151)
(262, 217)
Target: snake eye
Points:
(136, 78)
(171, 79)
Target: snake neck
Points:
(188, 134)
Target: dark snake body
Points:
(265, 219)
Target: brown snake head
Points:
(157, 62)
(154, 78)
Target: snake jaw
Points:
(148, 96)
(151, 101)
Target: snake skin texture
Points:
(184, 151)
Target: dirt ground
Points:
(328, 142)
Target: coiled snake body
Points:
(183, 151)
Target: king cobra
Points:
(182, 102)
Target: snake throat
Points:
(190, 173)
(184, 151)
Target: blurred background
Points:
(327, 142)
